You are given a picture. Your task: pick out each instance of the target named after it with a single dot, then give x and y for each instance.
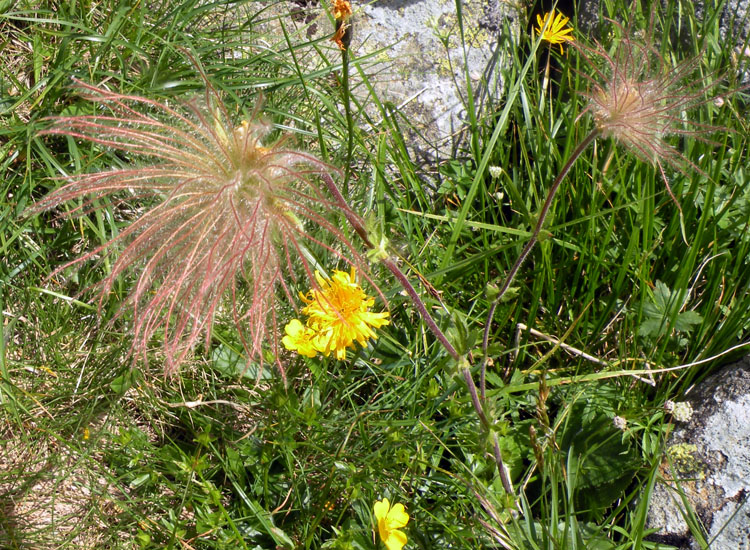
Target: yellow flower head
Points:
(342, 10)
(556, 32)
(338, 315)
(339, 312)
(390, 520)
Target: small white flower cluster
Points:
(681, 411)
(620, 423)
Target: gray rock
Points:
(412, 54)
(709, 465)
(422, 65)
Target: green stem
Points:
(349, 118)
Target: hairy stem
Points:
(507, 485)
(396, 271)
(356, 222)
(529, 245)
(359, 227)
(474, 397)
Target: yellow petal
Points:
(321, 341)
(299, 338)
(560, 22)
(397, 517)
(381, 509)
(341, 353)
(395, 541)
(294, 328)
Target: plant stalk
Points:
(421, 307)
(530, 245)
(349, 118)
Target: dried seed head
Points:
(225, 217)
(620, 423)
(639, 99)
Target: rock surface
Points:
(422, 64)
(709, 462)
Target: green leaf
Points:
(600, 461)
(658, 311)
(233, 364)
(122, 383)
(686, 320)
(140, 480)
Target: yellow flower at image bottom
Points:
(390, 519)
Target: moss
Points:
(443, 68)
(383, 57)
(682, 457)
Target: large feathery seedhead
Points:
(223, 217)
(639, 99)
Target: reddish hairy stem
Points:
(394, 269)
(353, 219)
(529, 245)
(507, 485)
(359, 227)
(474, 397)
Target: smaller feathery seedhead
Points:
(639, 99)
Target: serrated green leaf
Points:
(686, 320)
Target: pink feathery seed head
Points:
(223, 217)
(639, 99)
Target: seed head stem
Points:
(355, 221)
(529, 245)
(394, 269)
(349, 118)
(359, 228)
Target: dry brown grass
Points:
(51, 496)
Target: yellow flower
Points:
(299, 338)
(342, 11)
(339, 313)
(556, 31)
(390, 520)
